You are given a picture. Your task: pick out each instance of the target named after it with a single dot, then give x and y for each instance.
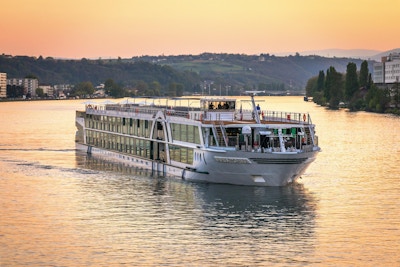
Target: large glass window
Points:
(185, 133)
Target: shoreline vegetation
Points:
(340, 86)
(203, 74)
(354, 90)
(342, 105)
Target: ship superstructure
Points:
(214, 140)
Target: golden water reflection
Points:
(62, 208)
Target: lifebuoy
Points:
(288, 117)
(201, 117)
(304, 117)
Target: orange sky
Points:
(126, 28)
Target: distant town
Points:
(29, 88)
(206, 74)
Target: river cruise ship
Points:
(210, 139)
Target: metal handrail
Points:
(266, 115)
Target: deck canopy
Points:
(215, 104)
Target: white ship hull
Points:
(203, 145)
(245, 168)
(249, 168)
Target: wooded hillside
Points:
(263, 72)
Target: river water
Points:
(62, 208)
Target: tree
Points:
(142, 87)
(83, 89)
(179, 89)
(333, 90)
(396, 94)
(113, 89)
(315, 88)
(117, 91)
(14, 91)
(39, 92)
(364, 74)
(351, 85)
(310, 87)
(377, 99)
(109, 84)
(321, 81)
(328, 83)
(370, 81)
(155, 87)
(31, 76)
(175, 89)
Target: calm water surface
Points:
(62, 208)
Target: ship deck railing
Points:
(284, 116)
(208, 115)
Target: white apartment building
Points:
(392, 71)
(29, 85)
(388, 70)
(47, 89)
(3, 85)
(379, 72)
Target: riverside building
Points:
(3, 85)
(387, 72)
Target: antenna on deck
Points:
(256, 110)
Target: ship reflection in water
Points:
(242, 223)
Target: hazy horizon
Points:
(329, 53)
(129, 28)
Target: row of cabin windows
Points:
(180, 132)
(135, 146)
(119, 125)
(119, 143)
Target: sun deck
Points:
(207, 116)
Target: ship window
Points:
(181, 154)
(185, 133)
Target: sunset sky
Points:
(126, 28)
